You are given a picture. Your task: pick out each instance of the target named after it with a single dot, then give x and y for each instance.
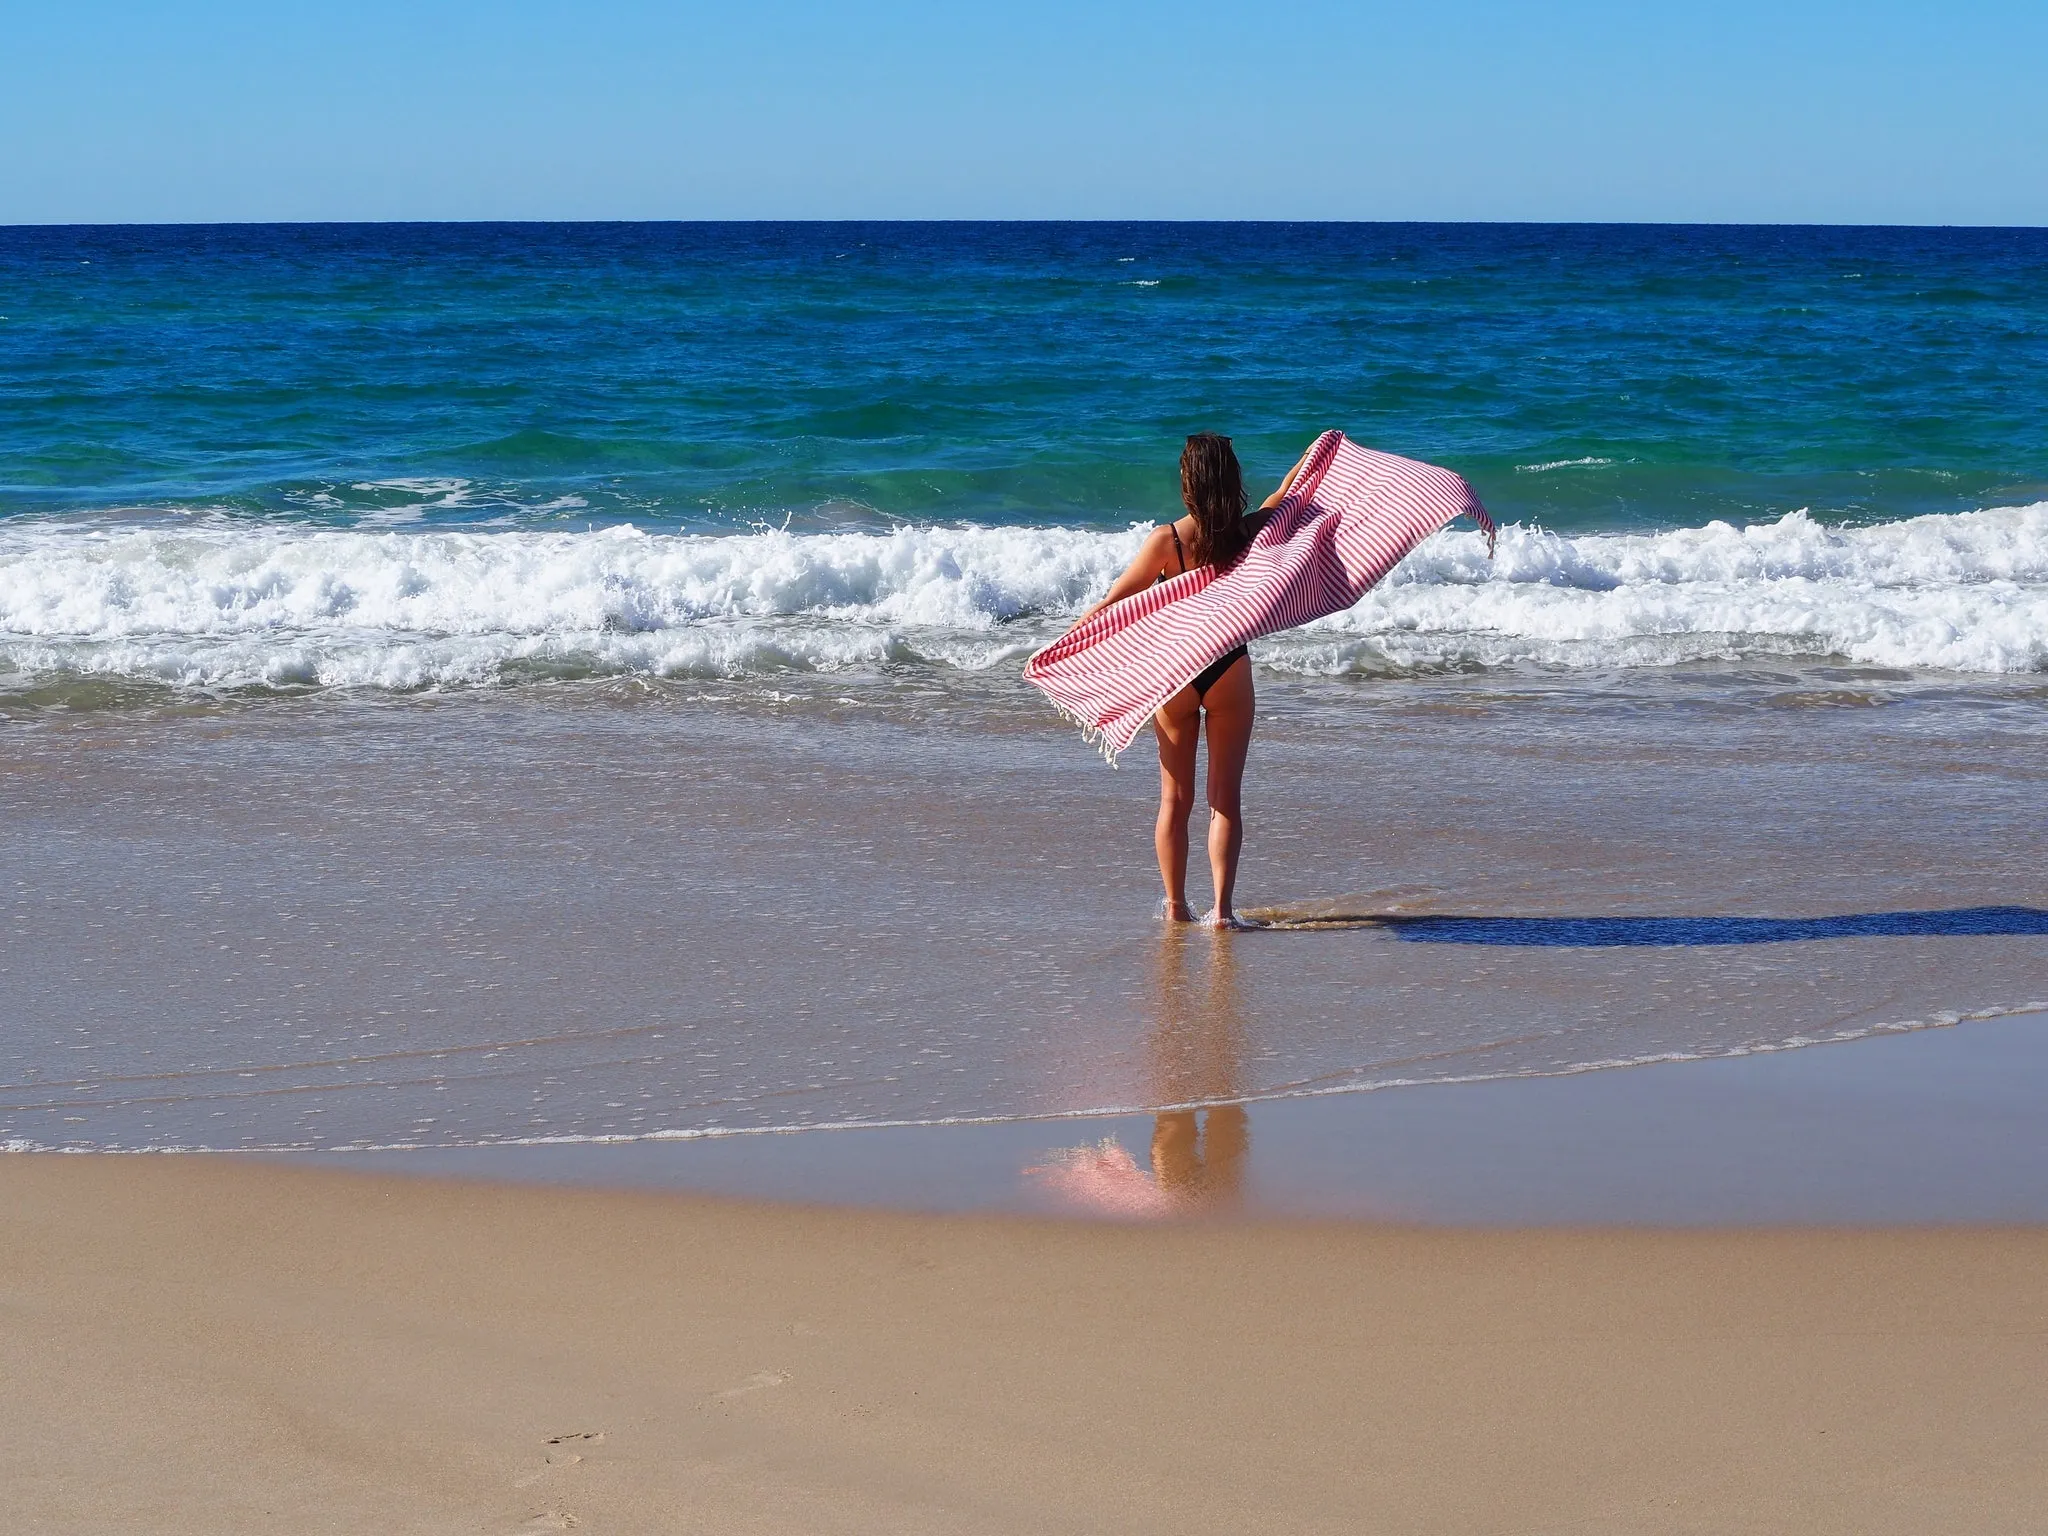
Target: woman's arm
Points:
(1139, 574)
(1280, 495)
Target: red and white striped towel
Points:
(1347, 520)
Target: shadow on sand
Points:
(1611, 932)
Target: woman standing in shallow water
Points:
(1215, 532)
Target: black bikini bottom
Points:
(1206, 678)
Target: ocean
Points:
(474, 684)
(665, 450)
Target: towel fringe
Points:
(1094, 735)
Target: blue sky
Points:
(1888, 111)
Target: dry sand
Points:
(209, 1345)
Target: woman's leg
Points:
(1229, 704)
(1226, 1138)
(1178, 725)
(1175, 1163)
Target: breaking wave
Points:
(224, 605)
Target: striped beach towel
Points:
(1347, 520)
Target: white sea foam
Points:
(222, 605)
(1964, 592)
(1538, 469)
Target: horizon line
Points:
(82, 224)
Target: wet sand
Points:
(588, 912)
(195, 1344)
(1929, 1127)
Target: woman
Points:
(1215, 532)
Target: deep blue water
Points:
(712, 376)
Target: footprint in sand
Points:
(560, 1454)
(551, 1520)
(760, 1381)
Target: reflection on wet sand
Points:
(1197, 1042)
(1201, 1164)
(1197, 1057)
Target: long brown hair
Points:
(1212, 486)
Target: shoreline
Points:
(1935, 1126)
(203, 1344)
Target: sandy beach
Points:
(204, 1344)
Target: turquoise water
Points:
(435, 456)
(705, 376)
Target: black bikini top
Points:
(1180, 556)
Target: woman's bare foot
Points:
(1228, 921)
(1176, 912)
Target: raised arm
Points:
(1139, 574)
(1280, 495)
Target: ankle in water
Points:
(1228, 921)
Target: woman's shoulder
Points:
(1157, 546)
(1166, 535)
